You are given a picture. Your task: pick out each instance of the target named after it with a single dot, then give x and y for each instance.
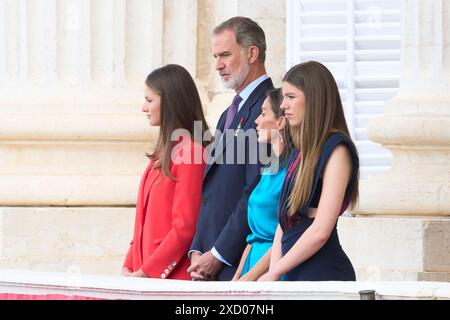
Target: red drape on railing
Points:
(14, 296)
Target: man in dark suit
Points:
(239, 49)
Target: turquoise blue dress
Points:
(262, 215)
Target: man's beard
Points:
(236, 80)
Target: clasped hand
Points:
(204, 267)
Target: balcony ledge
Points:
(116, 287)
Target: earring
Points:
(281, 136)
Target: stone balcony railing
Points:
(113, 287)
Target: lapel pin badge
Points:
(241, 121)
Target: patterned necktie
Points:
(232, 110)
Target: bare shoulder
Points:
(340, 160)
(341, 152)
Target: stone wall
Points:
(72, 135)
(73, 138)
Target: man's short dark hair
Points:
(248, 33)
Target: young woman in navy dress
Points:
(320, 183)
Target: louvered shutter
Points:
(359, 41)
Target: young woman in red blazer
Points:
(170, 191)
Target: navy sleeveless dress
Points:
(330, 263)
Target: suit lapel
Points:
(150, 179)
(241, 118)
(217, 139)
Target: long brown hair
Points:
(275, 98)
(180, 108)
(323, 115)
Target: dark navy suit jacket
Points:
(222, 222)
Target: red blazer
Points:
(166, 217)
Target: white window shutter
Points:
(359, 41)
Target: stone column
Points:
(71, 127)
(406, 210)
(72, 134)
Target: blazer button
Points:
(169, 267)
(166, 271)
(163, 275)
(174, 263)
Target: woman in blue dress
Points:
(273, 130)
(321, 180)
